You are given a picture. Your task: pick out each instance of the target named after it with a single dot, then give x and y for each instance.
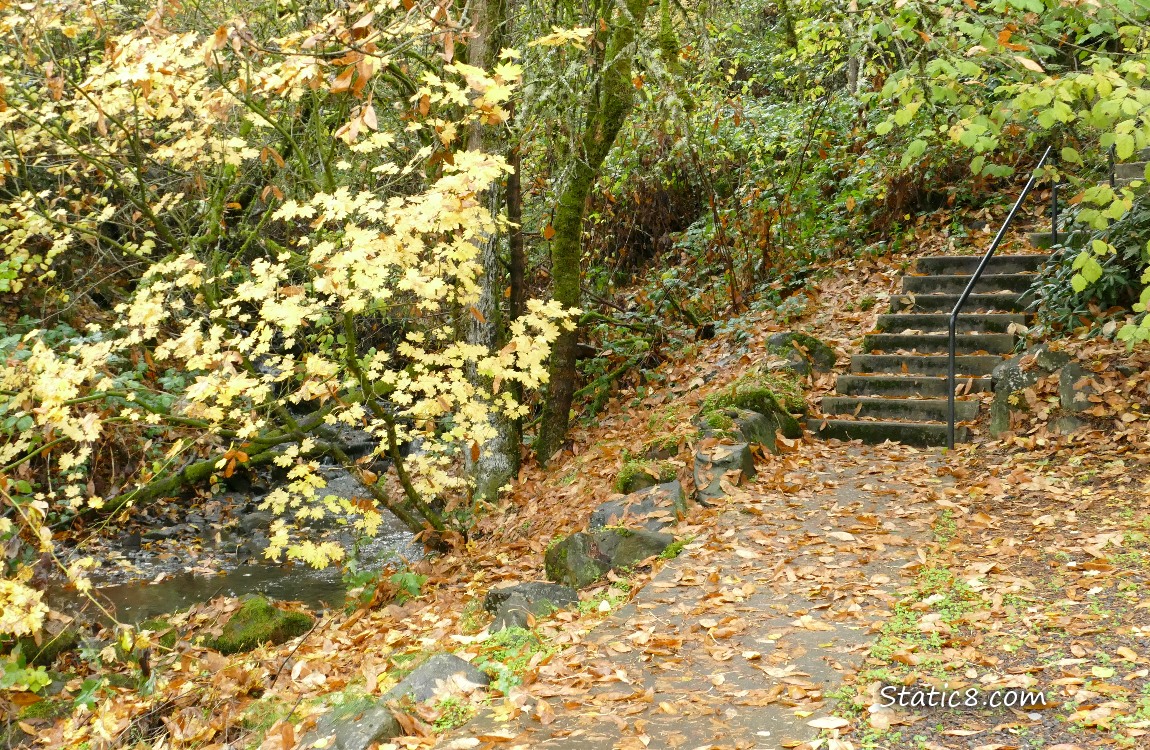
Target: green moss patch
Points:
(46, 708)
(786, 389)
(675, 548)
(44, 653)
(453, 713)
(768, 394)
(261, 714)
(514, 648)
(667, 445)
(258, 621)
(163, 631)
(748, 392)
(717, 420)
(635, 475)
(803, 348)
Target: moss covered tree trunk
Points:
(607, 108)
(497, 461)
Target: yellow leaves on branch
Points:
(21, 610)
(273, 325)
(577, 37)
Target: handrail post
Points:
(1054, 207)
(953, 332)
(950, 377)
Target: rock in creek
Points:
(258, 621)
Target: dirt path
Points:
(743, 639)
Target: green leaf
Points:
(916, 149)
(1071, 155)
(1124, 145)
(907, 113)
(1078, 283)
(884, 127)
(976, 164)
(1091, 271)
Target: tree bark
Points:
(497, 460)
(608, 106)
(517, 265)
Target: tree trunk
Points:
(517, 266)
(497, 460)
(608, 106)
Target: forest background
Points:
(228, 229)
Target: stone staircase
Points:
(896, 389)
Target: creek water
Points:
(136, 601)
(186, 571)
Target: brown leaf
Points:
(544, 714)
(342, 82)
(287, 734)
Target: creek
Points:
(163, 568)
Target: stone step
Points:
(905, 385)
(955, 284)
(965, 343)
(919, 434)
(966, 264)
(917, 410)
(940, 322)
(1001, 301)
(1044, 240)
(917, 364)
(1134, 170)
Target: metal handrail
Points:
(950, 376)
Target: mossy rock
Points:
(754, 392)
(654, 508)
(716, 419)
(787, 389)
(258, 621)
(664, 446)
(360, 722)
(714, 463)
(575, 561)
(638, 475)
(44, 653)
(585, 557)
(804, 352)
(46, 708)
